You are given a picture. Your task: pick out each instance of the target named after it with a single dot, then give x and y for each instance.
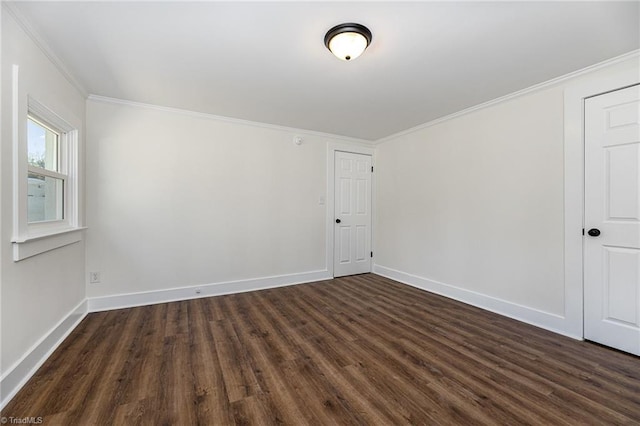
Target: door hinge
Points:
(371, 169)
(582, 231)
(371, 254)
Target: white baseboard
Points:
(129, 300)
(18, 375)
(552, 322)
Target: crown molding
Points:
(510, 96)
(207, 116)
(28, 28)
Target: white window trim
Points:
(30, 239)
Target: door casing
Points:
(574, 97)
(330, 205)
(353, 217)
(610, 315)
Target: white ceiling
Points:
(266, 61)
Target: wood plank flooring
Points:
(359, 350)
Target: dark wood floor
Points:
(356, 350)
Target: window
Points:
(46, 184)
(46, 177)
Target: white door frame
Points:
(574, 97)
(331, 173)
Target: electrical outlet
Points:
(94, 277)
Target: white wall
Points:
(177, 200)
(473, 207)
(479, 202)
(38, 292)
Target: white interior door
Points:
(612, 220)
(352, 240)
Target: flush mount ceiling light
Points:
(347, 41)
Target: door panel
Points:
(612, 197)
(620, 291)
(622, 185)
(344, 245)
(352, 247)
(362, 198)
(361, 243)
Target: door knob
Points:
(593, 232)
(338, 221)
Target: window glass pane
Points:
(44, 200)
(42, 146)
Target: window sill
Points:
(33, 245)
